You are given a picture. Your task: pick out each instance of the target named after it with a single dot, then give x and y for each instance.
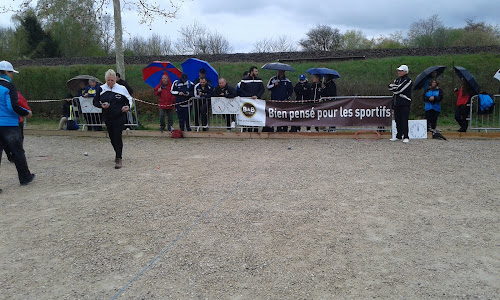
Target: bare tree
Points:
(192, 39)
(107, 33)
(322, 38)
(422, 33)
(218, 44)
(355, 39)
(282, 43)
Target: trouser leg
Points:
(12, 138)
(401, 116)
(115, 129)
(170, 118)
(162, 118)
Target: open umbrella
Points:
(278, 67)
(323, 71)
(154, 71)
(426, 74)
(467, 76)
(74, 83)
(193, 66)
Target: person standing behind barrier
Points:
(464, 94)
(227, 91)
(166, 102)
(238, 86)
(182, 89)
(301, 90)
(315, 91)
(432, 99)
(114, 99)
(202, 74)
(124, 83)
(251, 86)
(329, 90)
(281, 89)
(10, 133)
(401, 101)
(92, 118)
(203, 91)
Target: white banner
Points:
(417, 129)
(87, 106)
(251, 112)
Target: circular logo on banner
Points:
(248, 110)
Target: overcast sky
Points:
(245, 22)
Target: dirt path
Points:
(327, 219)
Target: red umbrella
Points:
(154, 71)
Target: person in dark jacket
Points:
(401, 101)
(202, 74)
(183, 90)
(301, 90)
(432, 99)
(203, 91)
(10, 133)
(464, 95)
(315, 91)
(124, 83)
(227, 91)
(329, 88)
(252, 86)
(115, 102)
(238, 90)
(166, 102)
(281, 90)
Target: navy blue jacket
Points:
(203, 92)
(302, 90)
(228, 91)
(251, 86)
(282, 91)
(185, 87)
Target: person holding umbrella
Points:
(114, 99)
(464, 95)
(166, 102)
(401, 101)
(183, 90)
(281, 89)
(432, 98)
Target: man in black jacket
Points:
(301, 93)
(252, 86)
(225, 90)
(401, 101)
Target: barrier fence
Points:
(484, 121)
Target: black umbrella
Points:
(278, 67)
(74, 83)
(467, 76)
(426, 74)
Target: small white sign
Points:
(225, 106)
(87, 106)
(417, 129)
(497, 75)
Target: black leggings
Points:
(115, 129)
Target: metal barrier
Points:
(478, 121)
(202, 118)
(87, 115)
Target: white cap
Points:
(403, 68)
(7, 66)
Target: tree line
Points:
(74, 29)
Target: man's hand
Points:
(125, 108)
(30, 114)
(105, 105)
(254, 97)
(159, 89)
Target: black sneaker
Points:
(1, 191)
(29, 180)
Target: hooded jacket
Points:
(117, 97)
(302, 90)
(401, 91)
(282, 91)
(10, 111)
(251, 86)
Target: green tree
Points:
(355, 39)
(322, 38)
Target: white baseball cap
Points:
(7, 66)
(403, 68)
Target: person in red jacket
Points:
(462, 111)
(166, 103)
(24, 104)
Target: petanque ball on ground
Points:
(289, 147)
(85, 153)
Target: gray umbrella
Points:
(278, 67)
(74, 83)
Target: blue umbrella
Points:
(193, 66)
(278, 67)
(467, 76)
(323, 71)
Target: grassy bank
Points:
(360, 77)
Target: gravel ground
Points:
(327, 219)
